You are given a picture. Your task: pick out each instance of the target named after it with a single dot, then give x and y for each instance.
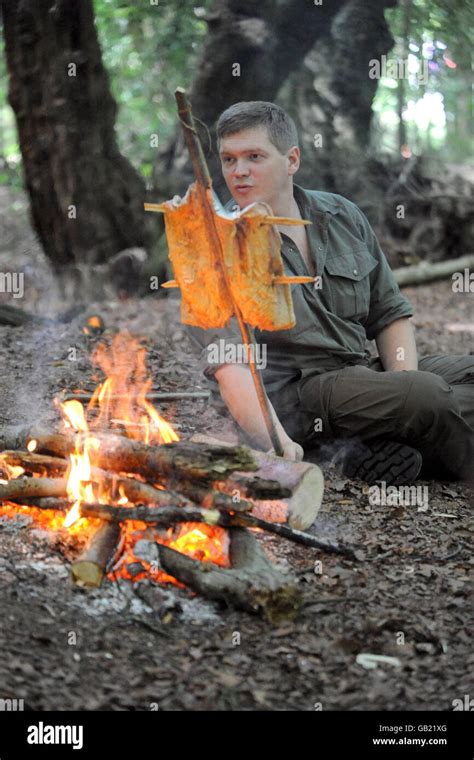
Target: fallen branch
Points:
(428, 272)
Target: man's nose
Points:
(241, 169)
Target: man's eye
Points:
(255, 156)
(227, 160)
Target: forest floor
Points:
(141, 645)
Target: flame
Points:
(122, 396)
(119, 402)
(93, 325)
(31, 445)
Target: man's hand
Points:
(291, 450)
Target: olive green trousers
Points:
(431, 409)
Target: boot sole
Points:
(393, 463)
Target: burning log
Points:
(32, 462)
(31, 488)
(97, 558)
(252, 584)
(55, 503)
(162, 516)
(180, 460)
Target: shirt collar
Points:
(310, 201)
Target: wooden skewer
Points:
(204, 185)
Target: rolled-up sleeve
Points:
(211, 346)
(386, 301)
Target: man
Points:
(319, 377)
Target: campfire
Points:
(117, 478)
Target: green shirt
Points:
(358, 296)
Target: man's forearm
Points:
(397, 346)
(239, 394)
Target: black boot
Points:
(380, 460)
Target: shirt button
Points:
(354, 271)
(320, 247)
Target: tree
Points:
(86, 199)
(330, 96)
(251, 48)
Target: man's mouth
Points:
(243, 188)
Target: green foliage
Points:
(148, 51)
(10, 156)
(438, 114)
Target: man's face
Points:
(254, 169)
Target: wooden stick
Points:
(204, 184)
(152, 396)
(252, 584)
(90, 567)
(297, 536)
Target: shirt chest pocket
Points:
(347, 279)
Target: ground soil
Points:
(138, 646)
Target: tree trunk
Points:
(251, 48)
(86, 199)
(331, 97)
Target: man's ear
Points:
(293, 158)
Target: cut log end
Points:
(89, 568)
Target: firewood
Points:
(27, 488)
(180, 460)
(252, 583)
(43, 492)
(164, 516)
(32, 462)
(96, 559)
(208, 497)
(302, 484)
(278, 488)
(55, 503)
